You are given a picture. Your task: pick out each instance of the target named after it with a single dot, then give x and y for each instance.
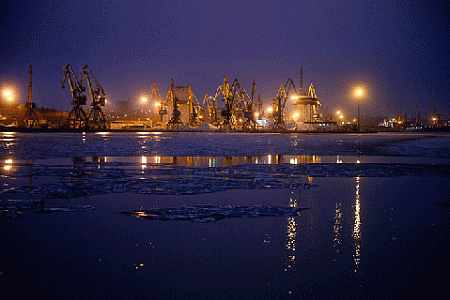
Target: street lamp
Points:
(9, 96)
(339, 116)
(358, 94)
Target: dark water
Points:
(376, 236)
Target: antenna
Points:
(301, 81)
(30, 88)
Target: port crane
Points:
(236, 101)
(211, 104)
(279, 104)
(31, 119)
(175, 120)
(194, 108)
(159, 102)
(96, 118)
(227, 113)
(249, 114)
(77, 118)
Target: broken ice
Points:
(211, 213)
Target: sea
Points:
(209, 215)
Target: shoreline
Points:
(183, 130)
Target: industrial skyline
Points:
(397, 52)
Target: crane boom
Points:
(77, 117)
(96, 118)
(98, 96)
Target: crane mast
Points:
(31, 119)
(96, 118)
(77, 118)
(194, 107)
(249, 113)
(235, 102)
(175, 121)
(279, 104)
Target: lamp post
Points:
(358, 94)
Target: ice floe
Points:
(84, 179)
(15, 208)
(211, 213)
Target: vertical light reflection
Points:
(8, 164)
(337, 239)
(291, 234)
(7, 140)
(143, 162)
(357, 226)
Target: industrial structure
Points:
(231, 108)
(77, 117)
(238, 106)
(279, 104)
(31, 119)
(182, 106)
(96, 118)
(307, 104)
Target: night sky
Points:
(398, 51)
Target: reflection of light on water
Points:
(337, 241)
(211, 162)
(214, 161)
(143, 162)
(8, 164)
(357, 225)
(104, 135)
(7, 139)
(291, 235)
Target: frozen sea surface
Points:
(376, 226)
(81, 164)
(35, 146)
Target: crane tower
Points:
(96, 118)
(175, 121)
(77, 117)
(31, 119)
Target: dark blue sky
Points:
(397, 50)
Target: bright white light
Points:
(358, 92)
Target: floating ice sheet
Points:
(15, 208)
(86, 179)
(210, 213)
